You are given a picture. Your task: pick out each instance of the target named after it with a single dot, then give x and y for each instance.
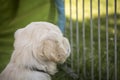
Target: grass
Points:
(12, 19)
(95, 46)
(111, 32)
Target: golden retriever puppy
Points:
(38, 48)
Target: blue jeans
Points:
(61, 14)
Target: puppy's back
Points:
(11, 72)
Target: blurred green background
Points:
(15, 14)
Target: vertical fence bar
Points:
(84, 47)
(77, 38)
(107, 48)
(91, 41)
(71, 33)
(99, 41)
(115, 37)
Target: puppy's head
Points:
(53, 47)
(44, 41)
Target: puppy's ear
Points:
(53, 51)
(18, 38)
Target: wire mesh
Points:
(99, 41)
(91, 41)
(77, 37)
(71, 33)
(91, 56)
(83, 36)
(115, 37)
(107, 42)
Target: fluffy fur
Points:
(39, 45)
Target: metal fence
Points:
(94, 50)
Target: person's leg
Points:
(61, 14)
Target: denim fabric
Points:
(61, 14)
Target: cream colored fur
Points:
(40, 45)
